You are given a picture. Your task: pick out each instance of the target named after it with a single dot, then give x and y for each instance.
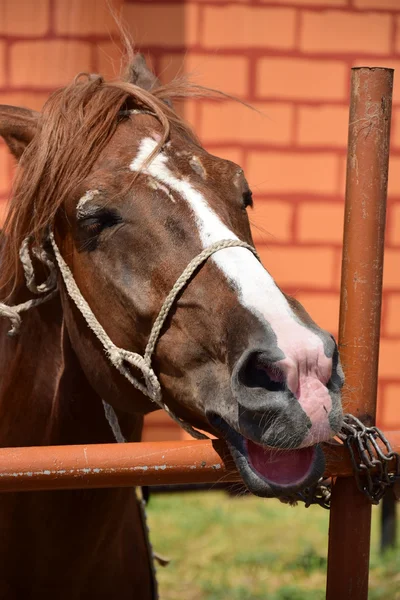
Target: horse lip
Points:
(256, 483)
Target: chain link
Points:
(375, 464)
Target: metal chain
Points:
(372, 458)
(375, 464)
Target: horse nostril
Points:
(336, 380)
(258, 372)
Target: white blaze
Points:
(256, 289)
(87, 197)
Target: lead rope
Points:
(112, 419)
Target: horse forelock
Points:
(76, 124)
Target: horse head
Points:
(131, 198)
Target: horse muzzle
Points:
(273, 433)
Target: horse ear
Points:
(17, 127)
(140, 74)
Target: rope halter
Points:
(122, 359)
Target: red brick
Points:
(392, 315)
(395, 129)
(342, 175)
(187, 436)
(158, 426)
(109, 60)
(248, 27)
(397, 38)
(391, 270)
(233, 122)
(3, 212)
(160, 432)
(49, 63)
(380, 62)
(322, 222)
(159, 417)
(389, 407)
(337, 270)
(297, 266)
(74, 17)
(211, 70)
(389, 358)
(379, 4)
(271, 221)
(318, 3)
(323, 308)
(359, 32)
(394, 176)
(4, 169)
(322, 126)
(301, 78)
(153, 24)
(24, 17)
(235, 155)
(174, 65)
(187, 111)
(393, 225)
(33, 100)
(2, 62)
(281, 172)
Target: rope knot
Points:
(48, 287)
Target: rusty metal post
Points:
(360, 313)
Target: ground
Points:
(251, 549)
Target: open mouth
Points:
(272, 472)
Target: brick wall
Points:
(291, 60)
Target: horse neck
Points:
(45, 397)
(30, 367)
(75, 544)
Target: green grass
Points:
(225, 548)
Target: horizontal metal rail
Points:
(144, 463)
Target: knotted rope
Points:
(48, 287)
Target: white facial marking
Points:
(197, 166)
(256, 289)
(89, 195)
(156, 185)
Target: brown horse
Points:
(112, 182)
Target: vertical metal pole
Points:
(360, 313)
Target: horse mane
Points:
(75, 125)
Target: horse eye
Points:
(92, 225)
(95, 223)
(248, 199)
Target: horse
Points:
(151, 295)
